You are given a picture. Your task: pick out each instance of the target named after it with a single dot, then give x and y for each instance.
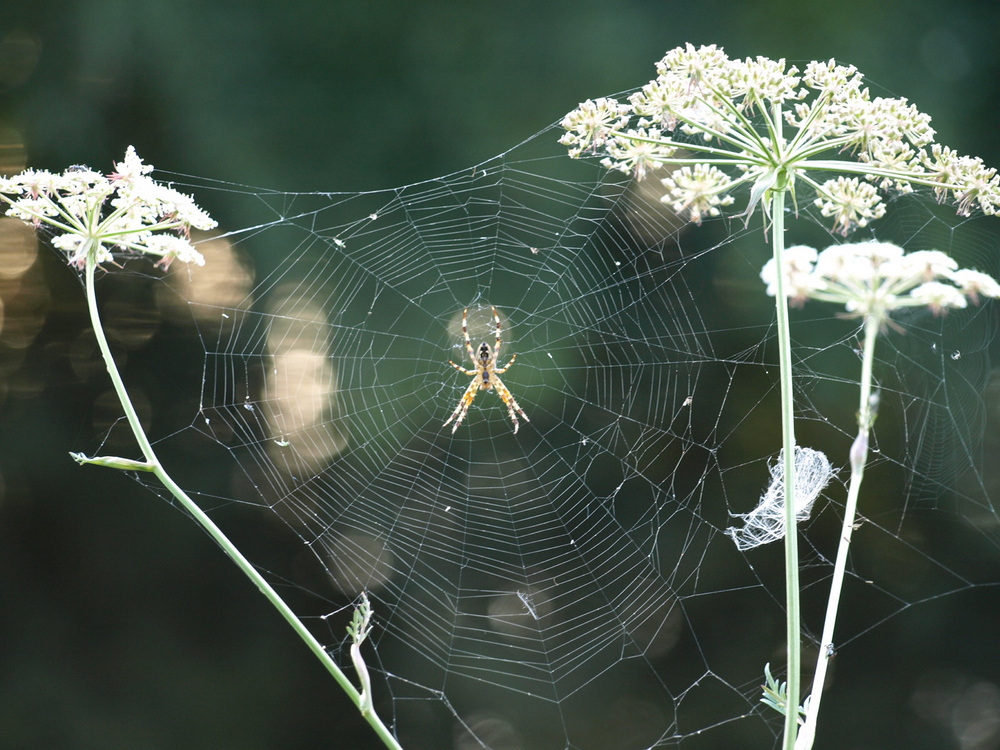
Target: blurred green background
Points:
(121, 625)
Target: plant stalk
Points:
(859, 457)
(792, 605)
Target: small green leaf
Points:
(776, 694)
(113, 462)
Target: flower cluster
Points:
(874, 278)
(761, 123)
(94, 213)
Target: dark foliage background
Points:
(122, 626)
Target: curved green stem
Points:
(152, 464)
(859, 457)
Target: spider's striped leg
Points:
(461, 369)
(463, 406)
(513, 408)
(465, 333)
(496, 348)
(506, 367)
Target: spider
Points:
(485, 376)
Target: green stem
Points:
(792, 614)
(859, 457)
(214, 531)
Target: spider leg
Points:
(496, 348)
(463, 406)
(465, 332)
(512, 406)
(461, 369)
(506, 367)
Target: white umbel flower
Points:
(126, 211)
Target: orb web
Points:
(570, 585)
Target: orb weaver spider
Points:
(485, 376)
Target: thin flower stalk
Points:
(793, 623)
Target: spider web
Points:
(571, 585)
